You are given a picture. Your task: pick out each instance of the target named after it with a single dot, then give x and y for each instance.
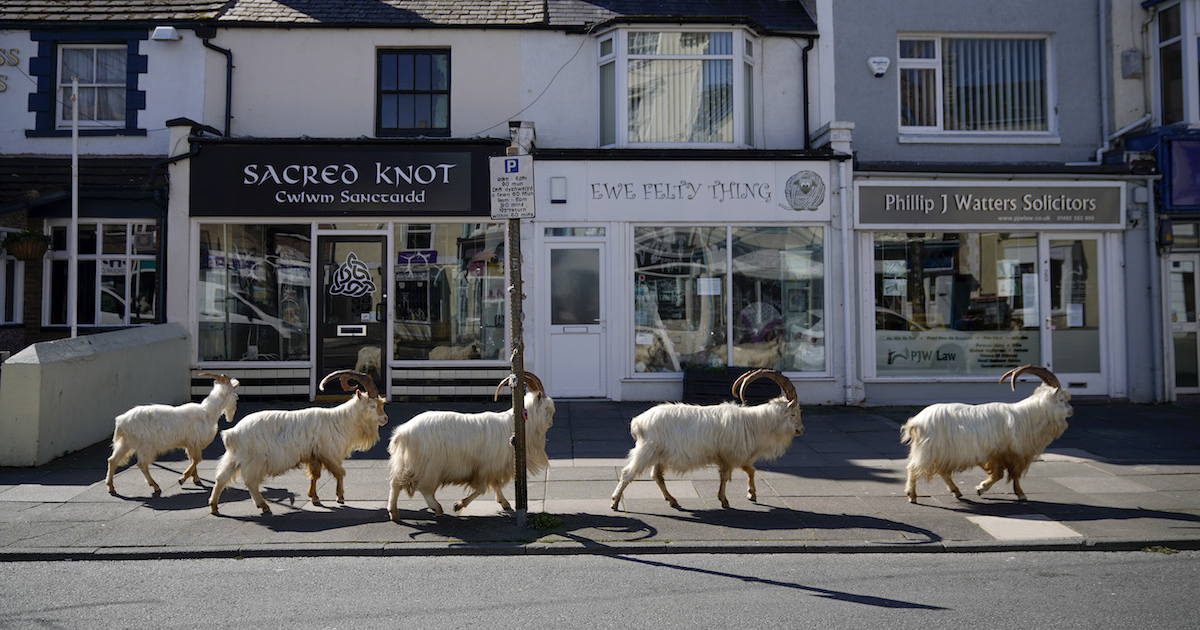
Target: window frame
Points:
(128, 257)
(938, 132)
(87, 118)
(390, 132)
(612, 84)
(45, 66)
(10, 266)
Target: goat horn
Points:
(1047, 376)
(532, 382)
(737, 384)
(220, 378)
(785, 386)
(361, 381)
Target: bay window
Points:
(677, 88)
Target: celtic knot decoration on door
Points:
(352, 278)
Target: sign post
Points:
(512, 199)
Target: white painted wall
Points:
(62, 396)
(174, 85)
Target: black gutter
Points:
(205, 33)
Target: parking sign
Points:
(512, 187)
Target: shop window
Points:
(12, 283)
(107, 66)
(955, 303)
(118, 281)
(413, 94)
(253, 292)
(974, 85)
(450, 296)
(775, 293)
(677, 87)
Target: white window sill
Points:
(941, 138)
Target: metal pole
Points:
(516, 298)
(73, 237)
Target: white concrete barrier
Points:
(61, 396)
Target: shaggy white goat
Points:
(682, 437)
(370, 359)
(441, 448)
(948, 438)
(269, 443)
(455, 353)
(151, 430)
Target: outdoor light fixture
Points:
(165, 34)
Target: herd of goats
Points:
(442, 448)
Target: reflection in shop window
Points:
(450, 294)
(253, 292)
(955, 303)
(681, 293)
(118, 274)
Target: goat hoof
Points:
(394, 515)
(615, 506)
(458, 506)
(1021, 497)
(912, 500)
(112, 491)
(316, 502)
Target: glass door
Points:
(1184, 282)
(352, 305)
(1073, 308)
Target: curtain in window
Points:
(994, 84)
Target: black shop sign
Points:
(287, 180)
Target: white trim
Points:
(951, 137)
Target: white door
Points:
(1184, 282)
(1073, 307)
(574, 307)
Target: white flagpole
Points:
(73, 236)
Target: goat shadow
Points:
(776, 518)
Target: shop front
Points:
(379, 257)
(964, 280)
(648, 269)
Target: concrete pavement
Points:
(1122, 477)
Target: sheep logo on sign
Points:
(352, 278)
(804, 191)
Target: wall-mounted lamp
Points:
(165, 34)
(878, 65)
(558, 190)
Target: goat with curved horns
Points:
(948, 438)
(443, 448)
(272, 442)
(682, 437)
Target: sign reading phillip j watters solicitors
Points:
(1058, 205)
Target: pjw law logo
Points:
(352, 278)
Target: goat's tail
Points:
(400, 469)
(126, 453)
(910, 433)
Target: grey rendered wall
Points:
(865, 28)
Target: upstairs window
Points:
(684, 88)
(109, 68)
(1170, 65)
(974, 85)
(413, 97)
(100, 71)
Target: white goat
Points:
(151, 430)
(441, 448)
(269, 443)
(455, 353)
(948, 438)
(682, 437)
(370, 359)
